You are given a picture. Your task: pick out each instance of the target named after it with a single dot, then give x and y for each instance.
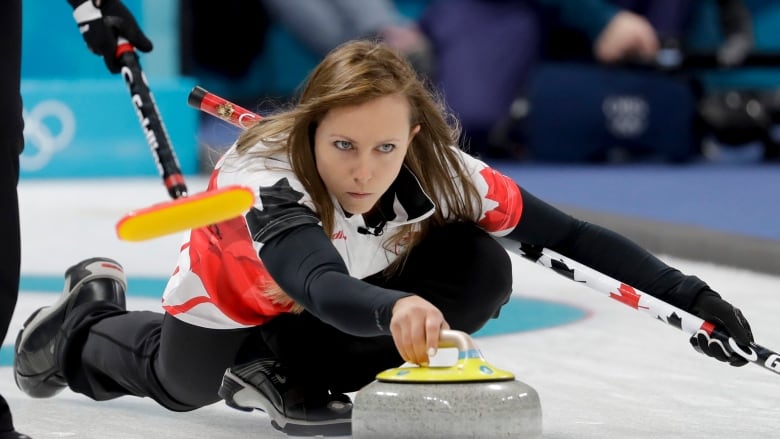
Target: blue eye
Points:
(387, 147)
(342, 144)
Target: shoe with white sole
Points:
(35, 365)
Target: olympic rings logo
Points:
(48, 128)
(626, 116)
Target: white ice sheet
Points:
(616, 374)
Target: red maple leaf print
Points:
(505, 192)
(628, 296)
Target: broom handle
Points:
(646, 304)
(151, 121)
(216, 106)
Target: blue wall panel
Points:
(89, 128)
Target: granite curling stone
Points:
(471, 399)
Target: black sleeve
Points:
(603, 250)
(309, 269)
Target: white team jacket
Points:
(219, 279)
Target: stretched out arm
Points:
(305, 264)
(603, 250)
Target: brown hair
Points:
(352, 74)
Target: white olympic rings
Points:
(48, 128)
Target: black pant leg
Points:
(11, 143)
(6, 420)
(107, 352)
(193, 359)
(110, 353)
(319, 355)
(458, 267)
(463, 271)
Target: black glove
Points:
(709, 306)
(101, 22)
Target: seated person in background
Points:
(481, 72)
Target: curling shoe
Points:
(294, 410)
(36, 369)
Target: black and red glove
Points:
(101, 22)
(709, 306)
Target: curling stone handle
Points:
(470, 366)
(450, 338)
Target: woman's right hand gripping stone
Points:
(416, 326)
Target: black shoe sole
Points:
(232, 385)
(342, 429)
(39, 385)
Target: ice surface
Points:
(616, 374)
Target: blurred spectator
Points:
(481, 72)
(239, 48)
(323, 25)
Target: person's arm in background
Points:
(736, 24)
(317, 25)
(323, 25)
(589, 16)
(102, 22)
(616, 33)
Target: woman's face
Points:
(360, 150)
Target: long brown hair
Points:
(352, 74)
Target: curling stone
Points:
(470, 399)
